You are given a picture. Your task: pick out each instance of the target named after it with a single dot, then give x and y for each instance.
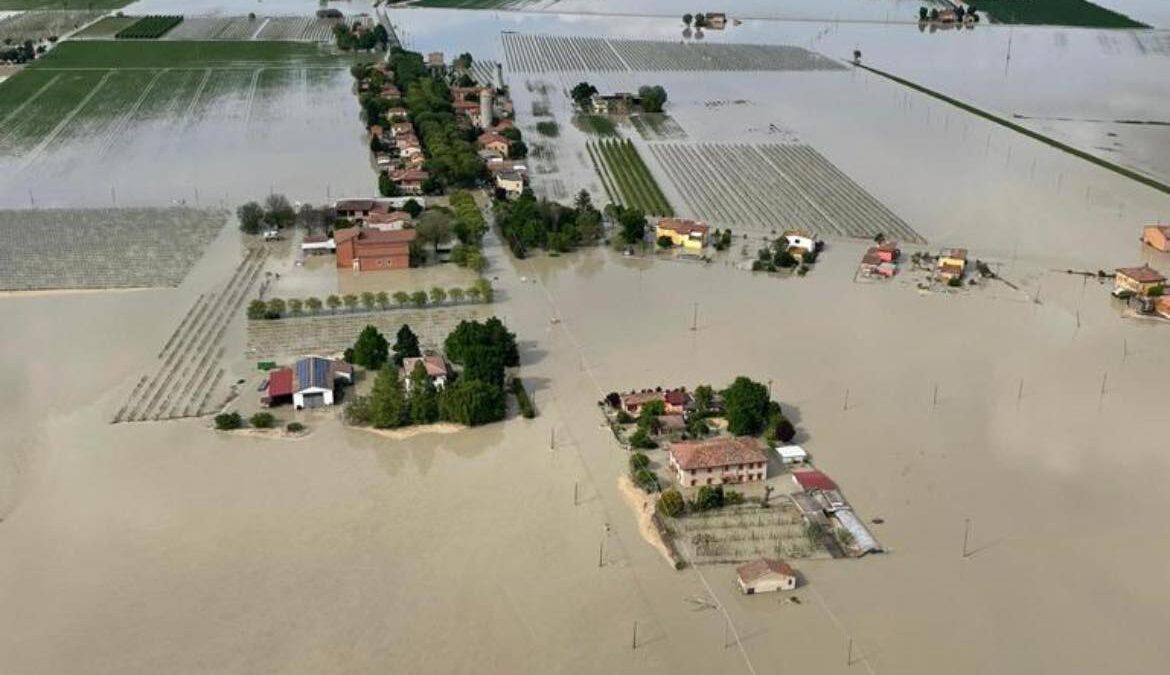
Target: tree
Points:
(405, 345)
(388, 407)
(457, 294)
(333, 301)
(923, 13)
(638, 460)
(386, 187)
(687, 18)
(671, 503)
(492, 333)
(424, 398)
(369, 300)
(709, 497)
(350, 301)
(276, 308)
(484, 363)
(296, 306)
(371, 349)
(463, 60)
(472, 402)
(746, 404)
(262, 420)
(438, 296)
(401, 298)
(257, 309)
(474, 294)
(665, 242)
(278, 212)
(517, 149)
(419, 298)
(383, 299)
(704, 398)
(633, 223)
(700, 20)
(412, 207)
(581, 94)
(641, 439)
(228, 421)
(646, 480)
(251, 216)
(433, 228)
(314, 304)
(653, 98)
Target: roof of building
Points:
(956, 253)
(683, 226)
(435, 365)
(409, 176)
(792, 452)
(676, 397)
(871, 257)
(313, 372)
(672, 422)
(354, 204)
(510, 176)
(1143, 275)
(491, 137)
(391, 217)
(280, 382)
(863, 541)
(758, 569)
(716, 452)
(813, 480)
(1164, 229)
(375, 236)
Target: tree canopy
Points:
(405, 345)
(371, 349)
(581, 93)
(653, 98)
(746, 404)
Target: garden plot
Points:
(43, 24)
(102, 248)
(735, 534)
(189, 372)
(775, 186)
(548, 53)
(328, 334)
(626, 175)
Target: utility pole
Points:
(1020, 394)
(1101, 398)
(849, 654)
(695, 318)
(934, 403)
(845, 406)
(575, 502)
(634, 644)
(966, 535)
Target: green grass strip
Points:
(1103, 163)
(610, 192)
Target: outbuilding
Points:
(766, 575)
(792, 454)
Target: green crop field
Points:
(626, 174)
(1055, 13)
(10, 5)
(598, 125)
(106, 28)
(149, 27)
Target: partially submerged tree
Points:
(746, 404)
(405, 345)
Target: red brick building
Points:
(365, 250)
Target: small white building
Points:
(806, 244)
(765, 575)
(315, 379)
(792, 454)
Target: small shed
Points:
(765, 575)
(792, 454)
(811, 480)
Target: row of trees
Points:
(23, 52)
(276, 213)
(697, 20)
(477, 396)
(527, 223)
(357, 37)
(276, 308)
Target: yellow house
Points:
(1140, 280)
(952, 262)
(690, 234)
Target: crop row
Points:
(544, 53)
(632, 177)
(775, 187)
(149, 27)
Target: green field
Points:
(219, 54)
(629, 176)
(598, 125)
(149, 27)
(106, 28)
(10, 5)
(1055, 13)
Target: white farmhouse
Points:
(765, 576)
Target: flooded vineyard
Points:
(102, 248)
(42, 24)
(553, 53)
(307, 29)
(776, 185)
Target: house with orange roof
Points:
(1157, 237)
(495, 143)
(690, 234)
(1144, 280)
(719, 461)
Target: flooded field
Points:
(90, 126)
(102, 248)
(43, 24)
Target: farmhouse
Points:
(511, 182)
(355, 209)
(675, 401)
(952, 263)
(495, 143)
(437, 369)
(366, 250)
(410, 181)
(620, 103)
(690, 234)
(718, 461)
(310, 383)
(765, 575)
(393, 220)
(880, 261)
(1139, 280)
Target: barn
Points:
(765, 575)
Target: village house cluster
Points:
(378, 236)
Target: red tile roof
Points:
(683, 226)
(717, 452)
(813, 480)
(491, 137)
(374, 236)
(762, 567)
(435, 365)
(1143, 275)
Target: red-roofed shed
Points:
(813, 480)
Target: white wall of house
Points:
(299, 396)
(738, 473)
(769, 583)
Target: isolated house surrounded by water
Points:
(690, 234)
(310, 383)
(437, 369)
(366, 250)
(765, 575)
(1157, 236)
(675, 401)
(952, 263)
(1139, 280)
(718, 461)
